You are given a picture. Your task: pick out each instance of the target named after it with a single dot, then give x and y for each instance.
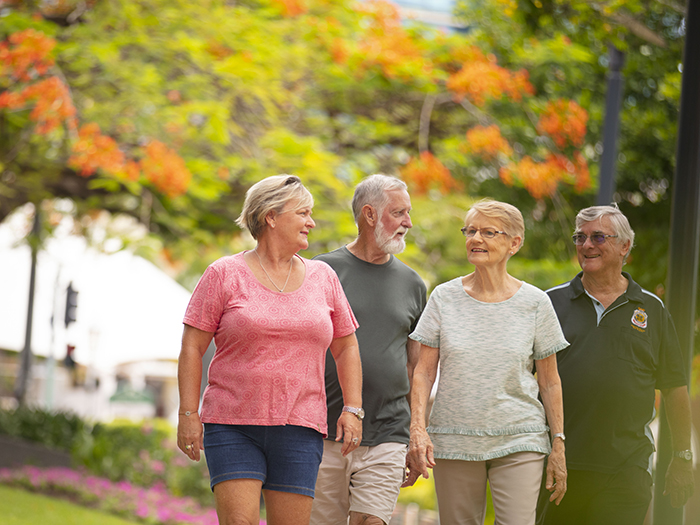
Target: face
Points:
(294, 224)
(488, 252)
(606, 257)
(394, 223)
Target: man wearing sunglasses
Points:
(623, 347)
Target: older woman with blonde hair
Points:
(272, 315)
(489, 332)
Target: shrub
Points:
(142, 454)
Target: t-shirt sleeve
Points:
(427, 331)
(207, 303)
(549, 338)
(421, 304)
(672, 371)
(342, 317)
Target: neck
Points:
(365, 248)
(489, 279)
(609, 283)
(273, 255)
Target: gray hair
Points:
(373, 191)
(271, 194)
(508, 214)
(619, 222)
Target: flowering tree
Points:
(168, 111)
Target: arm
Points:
(413, 353)
(550, 390)
(346, 354)
(420, 448)
(189, 378)
(679, 476)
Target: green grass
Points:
(19, 507)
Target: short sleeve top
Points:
(487, 402)
(268, 368)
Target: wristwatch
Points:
(559, 435)
(359, 412)
(683, 454)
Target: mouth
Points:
(478, 250)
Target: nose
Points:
(587, 242)
(311, 223)
(406, 223)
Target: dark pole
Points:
(611, 127)
(685, 240)
(26, 355)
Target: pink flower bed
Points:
(152, 505)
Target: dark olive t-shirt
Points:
(387, 300)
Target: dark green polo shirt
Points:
(610, 372)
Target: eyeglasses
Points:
(597, 238)
(486, 233)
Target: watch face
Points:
(361, 413)
(687, 454)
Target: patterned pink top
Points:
(268, 368)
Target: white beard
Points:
(386, 242)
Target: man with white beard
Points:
(387, 297)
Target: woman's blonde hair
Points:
(271, 194)
(509, 215)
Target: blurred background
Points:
(131, 129)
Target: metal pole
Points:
(611, 128)
(685, 240)
(26, 355)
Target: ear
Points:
(625, 248)
(270, 219)
(515, 244)
(370, 215)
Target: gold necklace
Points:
(268, 275)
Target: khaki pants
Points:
(515, 484)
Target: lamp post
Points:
(611, 127)
(685, 240)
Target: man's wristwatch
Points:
(683, 454)
(559, 435)
(359, 412)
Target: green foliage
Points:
(60, 430)
(141, 453)
(564, 44)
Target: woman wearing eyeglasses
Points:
(272, 315)
(489, 332)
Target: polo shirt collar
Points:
(633, 293)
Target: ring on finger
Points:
(354, 441)
(188, 447)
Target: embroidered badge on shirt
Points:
(639, 318)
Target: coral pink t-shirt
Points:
(268, 368)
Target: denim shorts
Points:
(285, 458)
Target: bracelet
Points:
(559, 435)
(187, 413)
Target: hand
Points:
(349, 429)
(190, 435)
(679, 481)
(556, 472)
(420, 455)
(412, 473)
